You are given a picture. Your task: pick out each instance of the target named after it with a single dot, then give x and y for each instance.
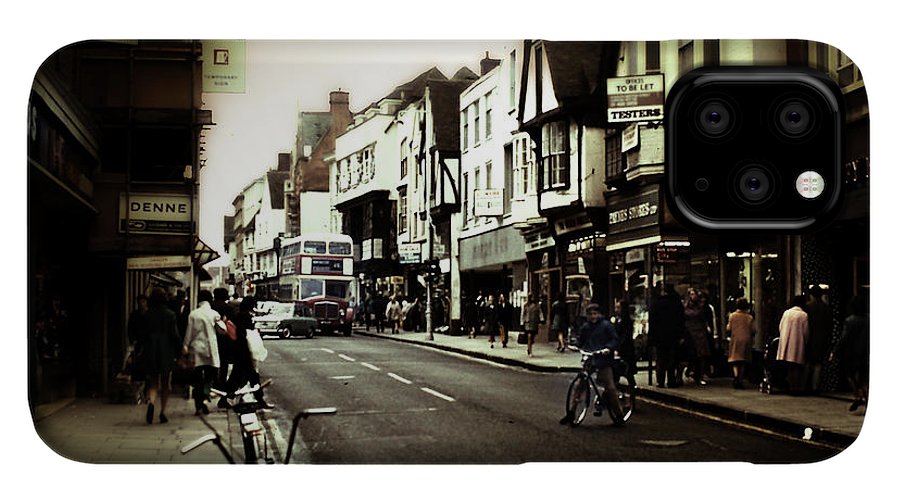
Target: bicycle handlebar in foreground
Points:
(316, 411)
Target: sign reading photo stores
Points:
(167, 214)
(635, 98)
(224, 66)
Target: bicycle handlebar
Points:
(316, 411)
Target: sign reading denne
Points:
(635, 98)
(168, 214)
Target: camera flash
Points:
(810, 184)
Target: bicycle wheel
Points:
(578, 400)
(627, 396)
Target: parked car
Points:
(301, 324)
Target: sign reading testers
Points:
(635, 98)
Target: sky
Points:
(284, 78)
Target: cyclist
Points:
(599, 335)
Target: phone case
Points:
(496, 197)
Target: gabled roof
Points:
(580, 68)
(415, 88)
(464, 73)
(444, 101)
(276, 180)
(313, 126)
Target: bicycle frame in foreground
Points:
(584, 392)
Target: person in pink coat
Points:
(793, 336)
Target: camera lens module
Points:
(795, 119)
(714, 118)
(754, 185)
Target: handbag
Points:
(522, 339)
(258, 350)
(227, 328)
(184, 369)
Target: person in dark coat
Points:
(504, 312)
(666, 334)
(491, 319)
(625, 330)
(820, 326)
(244, 370)
(223, 342)
(559, 321)
(470, 317)
(852, 351)
(160, 348)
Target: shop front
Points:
(494, 263)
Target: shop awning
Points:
(203, 253)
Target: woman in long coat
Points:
(696, 321)
(740, 326)
(159, 349)
(793, 336)
(200, 340)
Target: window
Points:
(465, 208)
(710, 52)
(402, 221)
(847, 72)
(314, 247)
(475, 187)
(652, 61)
(487, 115)
(488, 173)
(476, 117)
(507, 178)
(464, 116)
(685, 56)
(554, 162)
(512, 79)
(614, 155)
(404, 158)
(524, 166)
(339, 248)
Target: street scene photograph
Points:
(374, 252)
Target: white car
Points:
(272, 313)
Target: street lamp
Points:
(276, 246)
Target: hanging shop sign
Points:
(635, 98)
(224, 66)
(167, 214)
(630, 137)
(159, 262)
(410, 253)
(635, 212)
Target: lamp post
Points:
(276, 246)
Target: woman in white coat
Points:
(793, 336)
(201, 342)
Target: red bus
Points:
(317, 269)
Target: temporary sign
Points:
(489, 202)
(224, 66)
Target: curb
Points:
(779, 426)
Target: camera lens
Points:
(754, 185)
(714, 118)
(795, 118)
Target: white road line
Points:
(348, 359)
(400, 379)
(438, 394)
(343, 377)
(370, 366)
(328, 350)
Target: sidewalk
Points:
(96, 431)
(824, 419)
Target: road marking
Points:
(343, 377)
(664, 443)
(370, 366)
(348, 359)
(328, 350)
(400, 379)
(438, 394)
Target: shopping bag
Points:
(257, 349)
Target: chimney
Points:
(488, 64)
(339, 102)
(284, 161)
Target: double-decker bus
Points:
(317, 270)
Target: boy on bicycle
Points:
(598, 334)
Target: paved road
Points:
(403, 404)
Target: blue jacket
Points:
(595, 336)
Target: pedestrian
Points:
(159, 351)
(820, 327)
(224, 343)
(793, 336)
(741, 330)
(470, 317)
(504, 313)
(137, 338)
(393, 314)
(490, 320)
(666, 335)
(182, 309)
(244, 370)
(368, 306)
(852, 351)
(696, 322)
(405, 307)
(559, 321)
(624, 325)
(201, 341)
(380, 309)
(531, 318)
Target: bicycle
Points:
(252, 430)
(583, 390)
